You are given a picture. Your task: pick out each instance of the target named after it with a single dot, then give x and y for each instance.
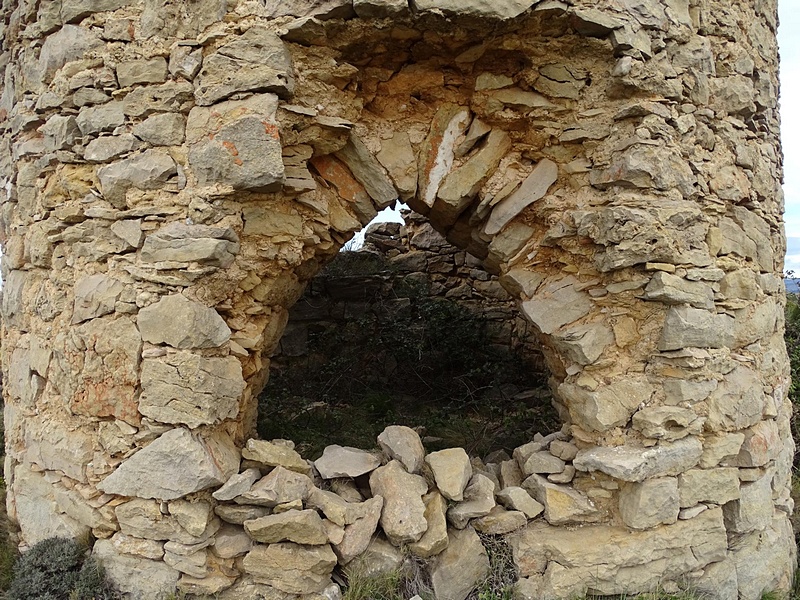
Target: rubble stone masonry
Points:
(174, 172)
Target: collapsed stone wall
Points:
(176, 170)
(411, 262)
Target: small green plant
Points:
(499, 583)
(58, 569)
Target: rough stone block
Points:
(650, 503)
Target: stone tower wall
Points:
(175, 171)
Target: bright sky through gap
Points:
(789, 43)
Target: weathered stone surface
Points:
(460, 187)
(478, 501)
(166, 129)
(379, 558)
(144, 519)
(68, 43)
(736, 403)
(542, 462)
(667, 422)
(647, 166)
(60, 133)
(299, 526)
(193, 564)
(126, 544)
(610, 560)
(339, 461)
(95, 296)
(637, 464)
(131, 72)
(175, 464)
(237, 515)
(584, 343)
(107, 148)
(291, 568)
(182, 323)
(171, 96)
(753, 510)
(609, 406)
(532, 189)
(451, 470)
(147, 171)
(761, 444)
(271, 454)
(277, 487)
(214, 246)
(678, 392)
(403, 516)
(557, 303)
(435, 539)
(562, 504)
(438, 151)
(190, 389)
(368, 172)
(685, 326)
(37, 513)
(359, 533)
(708, 485)
(403, 444)
(399, 159)
(230, 542)
(670, 289)
(650, 503)
(194, 517)
(256, 61)
(500, 521)
(517, 499)
(104, 118)
(764, 560)
(460, 566)
(719, 447)
(126, 571)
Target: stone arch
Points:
(615, 165)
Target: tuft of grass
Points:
(499, 584)
(386, 586)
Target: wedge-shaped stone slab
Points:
(478, 501)
(762, 444)
(191, 389)
(144, 519)
(452, 471)
(542, 462)
(719, 447)
(461, 186)
(279, 486)
(403, 516)
(557, 303)
(584, 344)
(435, 538)
(237, 485)
(399, 159)
(637, 464)
(237, 515)
(358, 534)
(607, 407)
(257, 60)
(291, 568)
(404, 444)
(175, 464)
(368, 172)
(342, 461)
(671, 289)
(516, 498)
(275, 455)
(562, 504)
(614, 560)
(68, 43)
(650, 503)
(299, 526)
(438, 151)
(182, 323)
(194, 517)
(532, 189)
(461, 566)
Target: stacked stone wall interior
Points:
(398, 265)
(173, 172)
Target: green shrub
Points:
(58, 569)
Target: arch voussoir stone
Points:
(174, 173)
